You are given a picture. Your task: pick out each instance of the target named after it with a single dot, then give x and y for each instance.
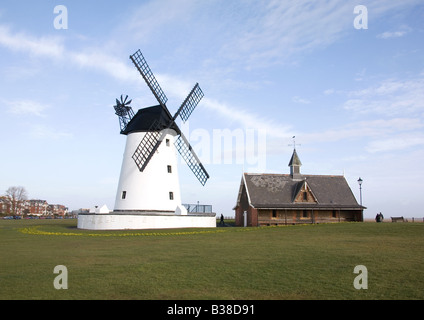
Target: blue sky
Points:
(270, 70)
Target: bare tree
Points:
(16, 197)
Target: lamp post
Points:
(360, 190)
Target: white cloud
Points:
(300, 100)
(96, 59)
(390, 97)
(174, 87)
(40, 131)
(251, 34)
(375, 129)
(26, 107)
(247, 119)
(52, 47)
(360, 75)
(280, 31)
(396, 143)
(387, 35)
(151, 17)
(395, 34)
(43, 46)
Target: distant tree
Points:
(16, 197)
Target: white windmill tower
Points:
(149, 177)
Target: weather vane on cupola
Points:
(294, 143)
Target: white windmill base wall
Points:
(137, 220)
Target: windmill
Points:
(149, 178)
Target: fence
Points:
(198, 208)
(405, 219)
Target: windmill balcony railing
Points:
(198, 208)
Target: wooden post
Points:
(285, 216)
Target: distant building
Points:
(5, 206)
(278, 199)
(57, 210)
(34, 207)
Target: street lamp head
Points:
(360, 181)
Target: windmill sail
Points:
(148, 146)
(190, 103)
(147, 74)
(190, 157)
(157, 131)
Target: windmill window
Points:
(171, 195)
(169, 169)
(124, 195)
(167, 142)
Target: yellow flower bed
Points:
(35, 231)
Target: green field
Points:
(289, 262)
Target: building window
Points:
(167, 142)
(274, 213)
(334, 214)
(124, 195)
(171, 195)
(305, 213)
(305, 196)
(169, 169)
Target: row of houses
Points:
(34, 207)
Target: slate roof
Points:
(295, 161)
(280, 190)
(145, 117)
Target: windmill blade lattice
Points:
(157, 131)
(148, 146)
(190, 103)
(190, 157)
(147, 74)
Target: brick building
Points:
(57, 210)
(278, 199)
(34, 207)
(5, 206)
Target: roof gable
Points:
(304, 193)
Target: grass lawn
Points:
(290, 262)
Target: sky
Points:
(347, 83)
